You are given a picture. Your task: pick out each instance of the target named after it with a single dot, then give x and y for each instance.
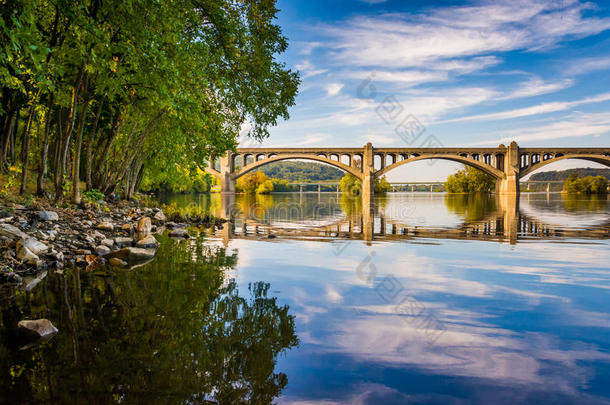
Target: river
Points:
(312, 298)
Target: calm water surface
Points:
(307, 298)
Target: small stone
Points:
(36, 329)
(116, 262)
(33, 245)
(48, 216)
(102, 250)
(108, 242)
(127, 227)
(105, 226)
(82, 252)
(179, 233)
(144, 227)
(132, 254)
(148, 242)
(160, 216)
(97, 235)
(25, 255)
(12, 232)
(122, 241)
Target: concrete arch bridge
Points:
(507, 164)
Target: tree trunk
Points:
(92, 136)
(26, 148)
(9, 130)
(76, 158)
(68, 135)
(44, 152)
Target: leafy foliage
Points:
(177, 330)
(564, 174)
(141, 93)
(470, 180)
(302, 171)
(352, 185)
(586, 185)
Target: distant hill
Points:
(564, 174)
(302, 171)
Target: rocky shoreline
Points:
(37, 238)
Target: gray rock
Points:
(25, 255)
(33, 245)
(179, 233)
(122, 241)
(132, 254)
(48, 216)
(102, 250)
(148, 243)
(97, 235)
(36, 329)
(107, 242)
(105, 226)
(160, 216)
(12, 232)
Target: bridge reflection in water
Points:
(489, 217)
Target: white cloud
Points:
(307, 70)
(536, 87)
(333, 89)
(576, 126)
(588, 65)
(543, 108)
(405, 40)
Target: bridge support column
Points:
(510, 183)
(227, 184)
(368, 177)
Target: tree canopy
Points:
(115, 92)
(470, 180)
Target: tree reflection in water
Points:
(473, 207)
(173, 331)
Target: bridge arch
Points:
(601, 159)
(342, 166)
(496, 173)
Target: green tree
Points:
(119, 93)
(470, 180)
(265, 187)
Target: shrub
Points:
(470, 180)
(93, 195)
(585, 185)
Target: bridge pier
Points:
(510, 183)
(227, 184)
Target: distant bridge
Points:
(506, 164)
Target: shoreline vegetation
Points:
(104, 100)
(92, 101)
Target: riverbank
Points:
(42, 236)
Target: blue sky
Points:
(474, 73)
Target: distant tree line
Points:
(302, 171)
(585, 185)
(564, 174)
(118, 94)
